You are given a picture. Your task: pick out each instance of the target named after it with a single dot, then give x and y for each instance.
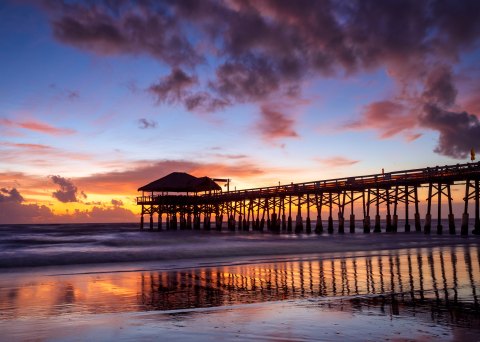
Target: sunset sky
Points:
(100, 98)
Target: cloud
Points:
(123, 28)
(117, 203)
(11, 195)
(439, 87)
(256, 51)
(34, 147)
(459, 132)
(174, 87)
(275, 124)
(337, 161)
(68, 191)
(37, 126)
(390, 118)
(144, 123)
(128, 181)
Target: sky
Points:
(98, 98)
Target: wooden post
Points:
(159, 227)
(341, 220)
(451, 219)
(330, 218)
(352, 214)
(299, 220)
(407, 197)
(395, 215)
(377, 228)
(319, 225)
(366, 221)
(464, 228)
(439, 211)
(151, 221)
(262, 221)
(308, 225)
(267, 207)
(284, 217)
(428, 217)
(418, 226)
(389, 217)
(476, 229)
(289, 226)
(141, 220)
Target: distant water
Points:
(66, 244)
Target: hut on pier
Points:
(181, 182)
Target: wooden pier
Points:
(187, 202)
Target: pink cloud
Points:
(37, 126)
(388, 117)
(45, 128)
(274, 124)
(337, 161)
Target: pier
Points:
(188, 202)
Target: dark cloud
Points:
(117, 203)
(275, 124)
(68, 191)
(122, 27)
(439, 87)
(173, 88)
(11, 195)
(459, 132)
(259, 50)
(145, 123)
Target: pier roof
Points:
(181, 182)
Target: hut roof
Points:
(181, 182)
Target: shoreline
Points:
(179, 249)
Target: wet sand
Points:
(255, 286)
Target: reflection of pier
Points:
(273, 207)
(440, 276)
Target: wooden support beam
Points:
(439, 210)
(341, 218)
(352, 213)
(308, 225)
(476, 229)
(319, 224)
(407, 222)
(299, 220)
(464, 228)
(377, 228)
(330, 218)
(418, 226)
(428, 217)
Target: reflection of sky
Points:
(447, 274)
(101, 98)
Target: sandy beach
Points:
(188, 285)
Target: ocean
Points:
(114, 281)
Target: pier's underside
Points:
(193, 206)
